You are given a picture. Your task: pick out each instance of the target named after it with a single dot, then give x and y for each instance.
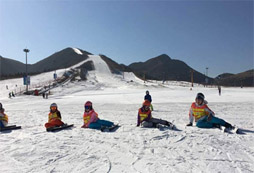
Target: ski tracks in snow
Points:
(129, 149)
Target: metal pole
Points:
(192, 77)
(207, 71)
(207, 75)
(26, 50)
(26, 63)
(26, 73)
(0, 68)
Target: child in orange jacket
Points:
(54, 117)
(146, 120)
(3, 117)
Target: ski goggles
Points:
(53, 108)
(200, 98)
(88, 107)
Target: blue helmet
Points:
(200, 96)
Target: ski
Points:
(234, 130)
(13, 127)
(164, 127)
(110, 129)
(171, 126)
(53, 129)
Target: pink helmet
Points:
(88, 106)
(88, 103)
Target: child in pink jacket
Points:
(91, 119)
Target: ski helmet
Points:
(146, 103)
(1, 106)
(200, 96)
(147, 92)
(53, 105)
(88, 105)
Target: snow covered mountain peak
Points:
(77, 51)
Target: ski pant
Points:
(3, 124)
(154, 121)
(151, 107)
(205, 123)
(99, 123)
(53, 123)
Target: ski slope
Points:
(130, 148)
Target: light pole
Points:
(191, 77)
(206, 75)
(207, 71)
(0, 67)
(26, 50)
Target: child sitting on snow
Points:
(3, 117)
(145, 117)
(54, 117)
(203, 116)
(91, 119)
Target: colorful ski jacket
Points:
(90, 117)
(3, 117)
(54, 115)
(199, 111)
(143, 115)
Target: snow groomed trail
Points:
(130, 148)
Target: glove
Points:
(209, 117)
(190, 124)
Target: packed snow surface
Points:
(130, 148)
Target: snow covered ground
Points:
(130, 149)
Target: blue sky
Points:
(214, 34)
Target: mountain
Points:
(241, 79)
(224, 75)
(164, 68)
(65, 58)
(158, 68)
(9, 68)
(114, 66)
(59, 60)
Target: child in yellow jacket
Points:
(3, 117)
(54, 117)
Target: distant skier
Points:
(149, 98)
(12, 94)
(91, 119)
(204, 117)
(145, 117)
(3, 117)
(219, 89)
(47, 94)
(54, 117)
